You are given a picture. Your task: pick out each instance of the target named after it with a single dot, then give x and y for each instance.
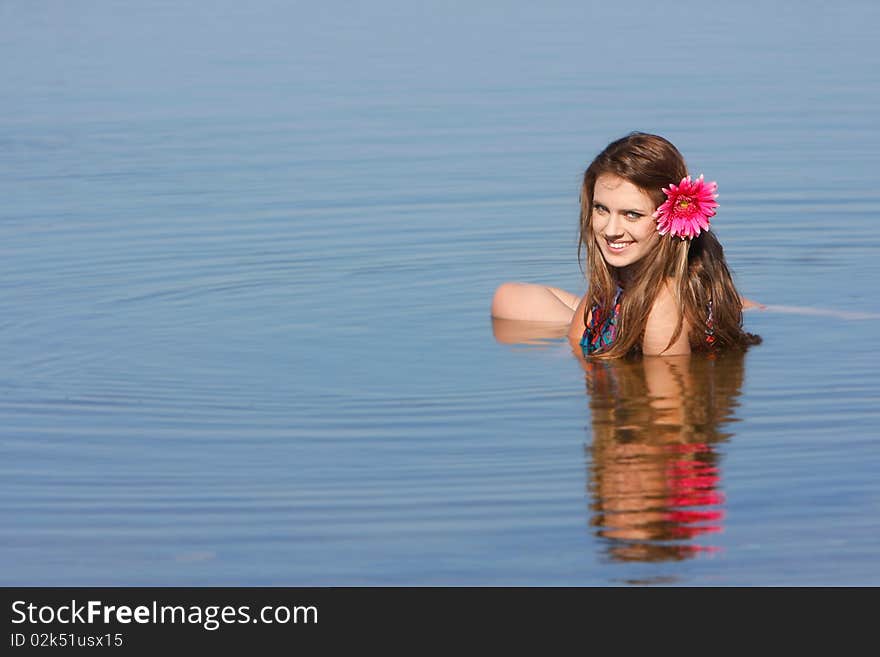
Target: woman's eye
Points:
(601, 209)
(634, 215)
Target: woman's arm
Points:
(577, 327)
(529, 313)
(528, 302)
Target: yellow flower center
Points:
(684, 203)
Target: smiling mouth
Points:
(617, 246)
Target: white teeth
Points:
(618, 245)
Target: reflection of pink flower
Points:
(687, 208)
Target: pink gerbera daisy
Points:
(687, 208)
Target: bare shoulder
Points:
(660, 327)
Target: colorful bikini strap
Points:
(710, 325)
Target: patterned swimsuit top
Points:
(601, 330)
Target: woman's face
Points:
(622, 223)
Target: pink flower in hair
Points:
(687, 208)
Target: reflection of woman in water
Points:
(654, 473)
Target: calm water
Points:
(247, 258)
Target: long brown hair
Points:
(696, 266)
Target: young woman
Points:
(658, 281)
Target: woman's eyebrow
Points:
(624, 210)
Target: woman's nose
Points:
(614, 227)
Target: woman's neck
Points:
(624, 276)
